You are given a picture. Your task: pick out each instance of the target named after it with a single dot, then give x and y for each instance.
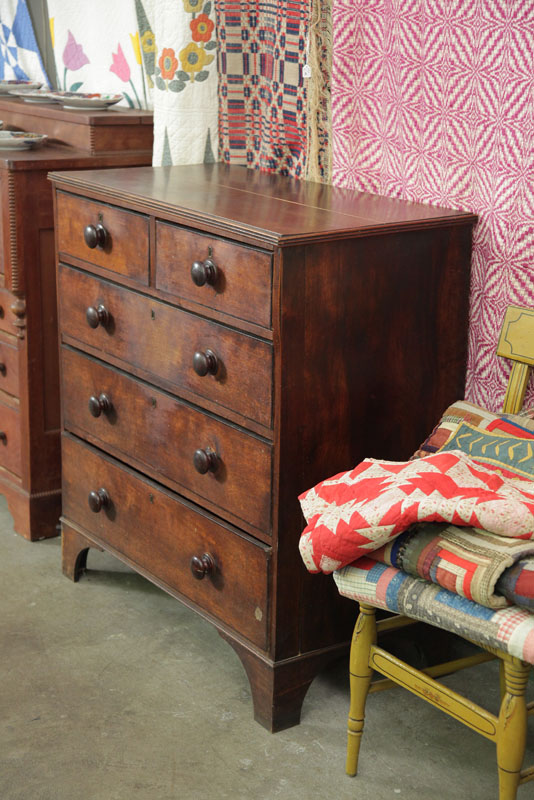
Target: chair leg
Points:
(360, 677)
(512, 728)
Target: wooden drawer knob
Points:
(3, 369)
(203, 272)
(204, 363)
(202, 566)
(96, 236)
(205, 461)
(97, 316)
(3, 437)
(99, 500)
(99, 404)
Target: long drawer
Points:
(10, 453)
(124, 247)
(154, 529)
(213, 460)
(9, 368)
(165, 342)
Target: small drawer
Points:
(228, 277)
(9, 368)
(167, 344)
(10, 455)
(210, 459)
(7, 317)
(162, 534)
(103, 235)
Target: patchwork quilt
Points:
(356, 512)
(445, 538)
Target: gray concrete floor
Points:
(112, 690)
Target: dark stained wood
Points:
(163, 342)
(263, 209)
(143, 420)
(155, 529)
(363, 345)
(243, 284)
(109, 130)
(28, 326)
(126, 251)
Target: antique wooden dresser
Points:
(29, 387)
(229, 338)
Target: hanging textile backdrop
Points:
(97, 48)
(262, 98)
(20, 58)
(432, 101)
(160, 54)
(185, 81)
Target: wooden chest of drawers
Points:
(29, 377)
(227, 340)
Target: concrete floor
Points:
(112, 690)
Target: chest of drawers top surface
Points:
(271, 208)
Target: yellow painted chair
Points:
(509, 729)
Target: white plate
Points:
(13, 85)
(33, 95)
(20, 140)
(82, 100)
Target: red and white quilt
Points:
(356, 512)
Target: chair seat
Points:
(510, 629)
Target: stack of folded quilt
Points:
(447, 537)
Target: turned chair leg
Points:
(360, 678)
(512, 729)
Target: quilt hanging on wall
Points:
(184, 76)
(96, 56)
(432, 102)
(20, 58)
(262, 93)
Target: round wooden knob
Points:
(204, 363)
(3, 369)
(95, 236)
(203, 272)
(97, 316)
(3, 437)
(205, 461)
(98, 500)
(99, 404)
(202, 566)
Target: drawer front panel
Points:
(126, 251)
(7, 317)
(10, 454)
(9, 368)
(162, 341)
(239, 285)
(157, 531)
(162, 433)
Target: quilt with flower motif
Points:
(356, 512)
(184, 76)
(94, 57)
(262, 117)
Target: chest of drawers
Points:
(228, 339)
(30, 475)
